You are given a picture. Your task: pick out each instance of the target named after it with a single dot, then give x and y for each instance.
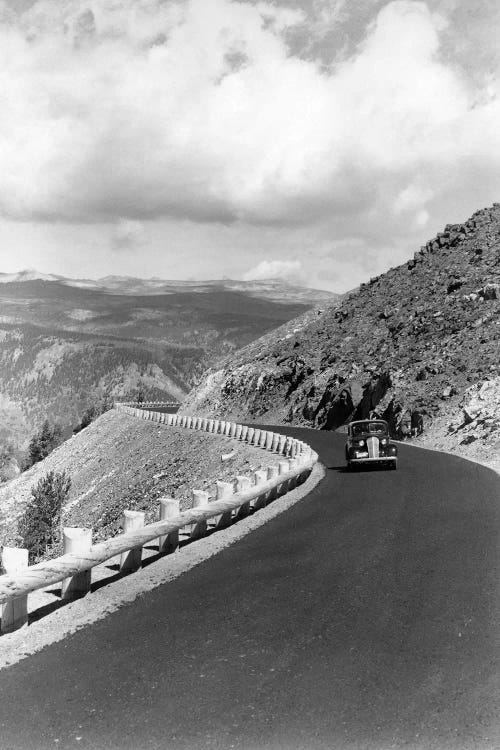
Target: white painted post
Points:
(224, 490)
(242, 485)
(256, 436)
(275, 442)
(131, 561)
(250, 435)
(272, 473)
(292, 465)
(216, 426)
(168, 509)
(244, 432)
(200, 500)
(269, 440)
(283, 468)
(14, 612)
(237, 431)
(232, 429)
(263, 439)
(79, 542)
(282, 444)
(260, 477)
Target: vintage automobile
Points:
(368, 443)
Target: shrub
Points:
(40, 525)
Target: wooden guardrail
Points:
(233, 501)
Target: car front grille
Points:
(373, 446)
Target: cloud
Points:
(289, 270)
(128, 235)
(130, 111)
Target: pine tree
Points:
(39, 527)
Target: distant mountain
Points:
(422, 337)
(29, 274)
(66, 343)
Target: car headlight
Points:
(384, 441)
(361, 443)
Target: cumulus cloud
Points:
(289, 270)
(131, 110)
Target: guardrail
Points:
(150, 404)
(234, 500)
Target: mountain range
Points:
(66, 343)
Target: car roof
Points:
(363, 421)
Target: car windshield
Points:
(375, 428)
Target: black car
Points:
(368, 442)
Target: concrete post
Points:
(237, 431)
(242, 485)
(168, 509)
(283, 468)
(216, 426)
(232, 429)
(269, 440)
(282, 444)
(250, 435)
(79, 542)
(200, 500)
(260, 477)
(131, 561)
(272, 473)
(292, 466)
(14, 612)
(224, 490)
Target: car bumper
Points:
(368, 460)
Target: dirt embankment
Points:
(120, 462)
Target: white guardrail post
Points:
(15, 611)
(169, 508)
(131, 561)
(79, 542)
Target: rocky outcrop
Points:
(407, 345)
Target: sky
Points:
(320, 141)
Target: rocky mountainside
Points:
(413, 341)
(67, 343)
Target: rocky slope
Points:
(120, 462)
(412, 341)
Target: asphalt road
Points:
(366, 616)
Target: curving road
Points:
(365, 617)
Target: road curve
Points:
(365, 617)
